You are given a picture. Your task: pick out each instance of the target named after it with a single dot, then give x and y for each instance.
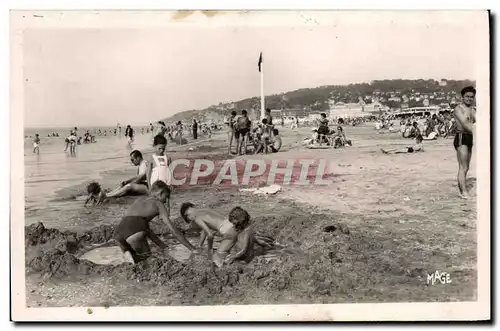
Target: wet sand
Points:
(372, 235)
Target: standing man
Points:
(195, 129)
(242, 129)
(465, 118)
(230, 121)
(179, 132)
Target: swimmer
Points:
(418, 147)
(129, 133)
(72, 142)
(465, 117)
(132, 232)
(36, 144)
(211, 224)
(96, 195)
(137, 184)
(242, 128)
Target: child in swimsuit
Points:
(158, 166)
(95, 194)
(36, 144)
(211, 224)
(132, 232)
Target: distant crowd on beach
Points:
(430, 127)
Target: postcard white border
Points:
(332, 312)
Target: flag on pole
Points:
(260, 61)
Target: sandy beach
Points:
(373, 234)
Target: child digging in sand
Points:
(211, 224)
(246, 238)
(96, 194)
(132, 232)
(234, 230)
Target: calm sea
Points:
(54, 170)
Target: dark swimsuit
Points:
(463, 138)
(242, 130)
(129, 226)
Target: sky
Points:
(83, 77)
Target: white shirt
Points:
(143, 167)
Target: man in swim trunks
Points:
(137, 184)
(242, 129)
(132, 232)
(72, 141)
(211, 224)
(465, 117)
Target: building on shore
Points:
(342, 110)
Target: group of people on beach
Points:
(324, 135)
(263, 136)
(235, 231)
(152, 181)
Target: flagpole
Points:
(262, 103)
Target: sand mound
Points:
(280, 273)
(97, 235)
(37, 234)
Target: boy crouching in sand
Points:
(244, 243)
(234, 230)
(132, 232)
(244, 248)
(211, 224)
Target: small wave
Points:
(75, 197)
(37, 181)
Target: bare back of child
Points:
(211, 224)
(132, 232)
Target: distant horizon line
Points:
(79, 126)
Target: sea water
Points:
(53, 170)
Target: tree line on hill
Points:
(317, 99)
